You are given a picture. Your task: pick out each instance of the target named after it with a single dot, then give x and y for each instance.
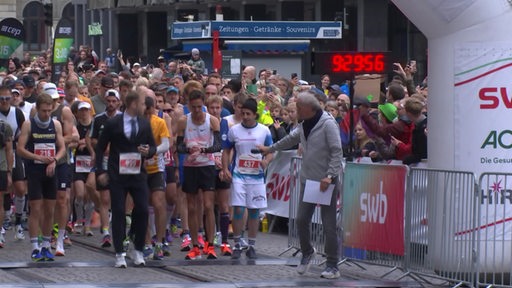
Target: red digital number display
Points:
(350, 62)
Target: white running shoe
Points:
(20, 234)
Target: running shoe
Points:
(37, 256)
(174, 231)
(243, 244)
(107, 241)
(305, 262)
(166, 248)
(200, 240)
(2, 238)
(120, 261)
(79, 228)
(47, 254)
(7, 225)
(126, 244)
(194, 254)
(147, 252)
(67, 240)
(205, 248)
(137, 258)
(251, 253)
(218, 239)
(20, 234)
(331, 273)
(59, 251)
(237, 252)
(168, 236)
(211, 252)
(70, 227)
(159, 253)
(88, 231)
(225, 249)
(185, 243)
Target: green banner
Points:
(8, 46)
(61, 50)
(62, 42)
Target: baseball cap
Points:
(61, 92)
(334, 87)
(112, 92)
(16, 91)
(195, 51)
(51, 89)
(29, 81)
(172, 89)
(161, 59)
(389, 111)
(136, 64)
(99, 72)
(107, 82)
(84, 105)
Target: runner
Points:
(155, 181)
(6, 162)
(100, 194)
(15, 118)
(199, 137)
(214, 105)
(42, 145)
(82, 171)
(248, 188)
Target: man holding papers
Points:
(322, 156)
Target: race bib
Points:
(218, 157)
(129, 163)
(104, 165)
(167, 158)
(45, 150)
(248, 164)
(83, 164)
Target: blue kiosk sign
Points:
(257, 29)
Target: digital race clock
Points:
(350, 62)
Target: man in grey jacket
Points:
(322, 156)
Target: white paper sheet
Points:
(312, 193)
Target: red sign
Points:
(373, 211)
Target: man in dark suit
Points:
(131, 140)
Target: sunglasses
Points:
(5, 98)
(167, 110)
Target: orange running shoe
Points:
(205, 248)
(226, 249)
(194, 254)
(211, 252)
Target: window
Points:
(35, 29)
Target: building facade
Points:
(141, 28)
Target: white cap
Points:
(99, 71)
(50, 89)
(195, 51)
(84, 105)
(136, 64)
(16, 91)
(112, 92)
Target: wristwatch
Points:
(331, 177)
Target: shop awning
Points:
(269, 46)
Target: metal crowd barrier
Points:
(445, 243)
(494, 232)
(441, 210)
